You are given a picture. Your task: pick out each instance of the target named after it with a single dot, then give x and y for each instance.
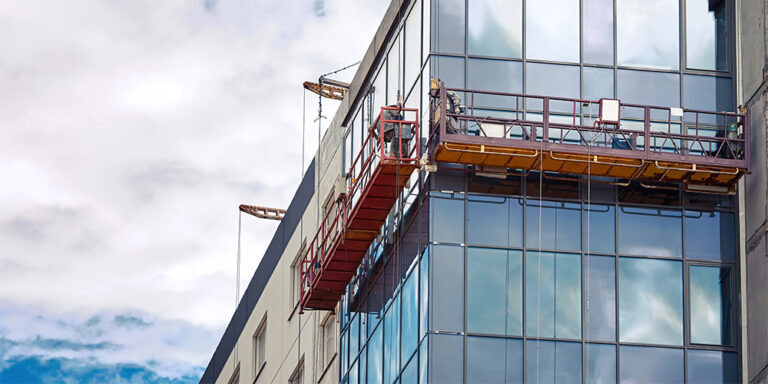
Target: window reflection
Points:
(598, 83)
(599, 228)
(601, 363)
(649, 88)
(551, 80)
(447, 287)
(552, 362)
(495, 28)
(552, 30)
(710, 235)
(650, 232)
(598, 31)
(650, 301)
(553, 295)
(648, 33)
(391, 341)
(449, 70)
(412, 46)
(494, 291)
(494, 75)
(448, 26)
(560, 225)
(712, 367)
(375, 361)
(394, 72)
(707, 34)
(601, 296)
(446, 358)
(494, 220)
(410, 315)
(651, 365)
(710, 300)
(447, 217)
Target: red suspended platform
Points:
(380, 171)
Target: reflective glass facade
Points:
(534, 279)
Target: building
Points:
(534, 234)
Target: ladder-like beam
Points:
(263, 212)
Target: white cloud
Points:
(132, 130)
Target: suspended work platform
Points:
(382, 168)
(704, 151)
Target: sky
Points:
(130, 131)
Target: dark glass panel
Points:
(710, 235)
(497, 76)
(635, 193)
(495, 28)
(446, 358)
(552, 30)
(598, 83)
(509, 186)
(650, 301)
(410, 315)
(601, 298)
(375, 356)
(650, 365)
(447, 217)
(710, 300)
(550, 188)
(552, 362)
(707, 31)
(486, 360)
(424, 293)
(447, 288)
(392, 341)
(707, 93)
(598, 31)
(449, 70)
(705, 367)
(560, 225)
(599, 228)
(448, 26)
(649, 88)
(650, 232)
(553, 295)
(601, 363)
(641, 46)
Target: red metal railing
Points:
(547, 123)
(373, 152)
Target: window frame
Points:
(259, 341)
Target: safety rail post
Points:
(545, 119)
(746, 125)
(647, 129)
(443, 110)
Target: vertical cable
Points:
(538, 278)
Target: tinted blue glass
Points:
(601, 298)
(640, 46)
(494, 291)
(495, 28)
(423, 348)
(375, 356)
(599, 228)
(362, 363)
(598, 83)
(560, 225)
(447, 218)
(558, 362)
(555, 292)
(708, 93)
(354, 337)
(709, 48)
(710, 300)
(344, 350)
(486, 360)
(650, 365)
(601, 363)
(447, 288)
(424, 293)
(650, 232)
(411, 371)
(650, 301)
(514, 369)
(353, 372)
(446, 358)
(649, 88)
(392, 342)
(710, 235)
(410, 317)
(448, 26)
(494, 75)
(552, 30)
(598, 31)
(487, 220)
(552, 80)
(712, 367)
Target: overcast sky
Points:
(129, 133)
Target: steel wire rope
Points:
(538, 278)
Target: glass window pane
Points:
(394, 72)
(552, 30)
(423, 361)
(555, 292)
(487, 220)
(354, 338)
(650, 365)
(598, 31)
(560, 225)
(496, 76)
(552, 80)
(494, 291)
(353, 374)
(650, 232)
(552, 362)
(392, 341)
(424, 293)
(375, 370)
(412, 47)
(410, 314)
(601, 363)
(710, 235)
(707, 34)
(447, 218)
(710, 305)
(599, 228)
(486, 360)
(446, 358)
(447, 288)
(712, 367)
(448, 26)
(641, 46)
(514, 371)
(650, 301)
(514, 293)
(601, 298)
(649, 88)
(708, 93)
(598, 83)
(495, 28)
(379, 93)
(449, 70)
(411, 371)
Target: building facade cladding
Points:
(534, 279)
